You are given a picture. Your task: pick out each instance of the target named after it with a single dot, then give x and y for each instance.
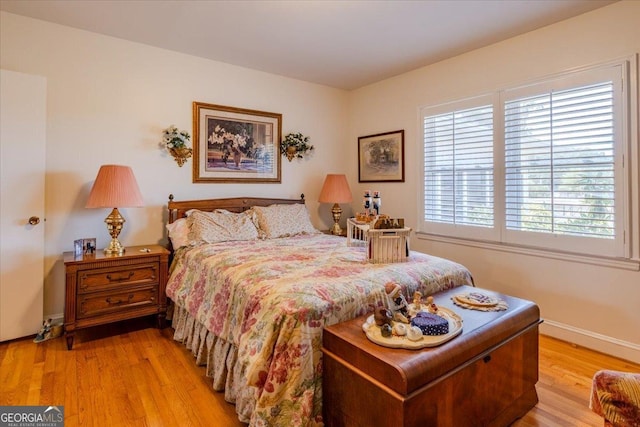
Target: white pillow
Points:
(283, 220)
(178, 232)
(221, 226)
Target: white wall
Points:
(595, 306)
(108, 101)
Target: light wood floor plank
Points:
(153, 410)
(131, 374)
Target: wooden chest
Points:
(486, 376)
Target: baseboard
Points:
(598, 342)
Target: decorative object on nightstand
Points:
(295, 145)
(115, 186)
(84, 247)
(377, 202)
(371, 206)
(103, 289)
(384, 245)
(176, 142)
(335, 190)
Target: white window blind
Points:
(560, 163)
(458, 167)
(540, 165)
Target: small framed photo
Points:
(78, 248)
(89, 246)
(381, 157)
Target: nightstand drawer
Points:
(100, 303)
(110, 278)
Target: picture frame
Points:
(235, 144)
(78, 248)
(381, 157)
(83, 248)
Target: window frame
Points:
(458, 230)
(624, 246)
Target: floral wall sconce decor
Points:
(295, 145)
(176, 142)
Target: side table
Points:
(103, 288)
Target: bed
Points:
(252, 306)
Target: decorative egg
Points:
(414, 333)
(385, 330)
(382, 315)
(400, 329)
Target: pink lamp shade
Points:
(335, 190)
(115, 187)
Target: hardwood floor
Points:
(130, 374)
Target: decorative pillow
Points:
(283, 220)
(179, 233)
(221, 226)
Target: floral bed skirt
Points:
(221, 360)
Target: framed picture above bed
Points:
(235, 144)
(381, 157)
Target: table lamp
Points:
(335, 190)
(115, 186)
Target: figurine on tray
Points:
(398, 303)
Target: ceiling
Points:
(342, 44)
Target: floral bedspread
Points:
(272, 298)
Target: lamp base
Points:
(336, 230)
(114, 222)
(114, 248)
(336, 211)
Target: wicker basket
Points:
(383, 246)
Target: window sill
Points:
(624, 264)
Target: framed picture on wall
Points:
(381, 157)
(235, 144)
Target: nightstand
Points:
(105, 288)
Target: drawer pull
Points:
(487, 358)
(119, 278)
(118, 301)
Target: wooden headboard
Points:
(235, 204)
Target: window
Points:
(458, 166)
(540, 165)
